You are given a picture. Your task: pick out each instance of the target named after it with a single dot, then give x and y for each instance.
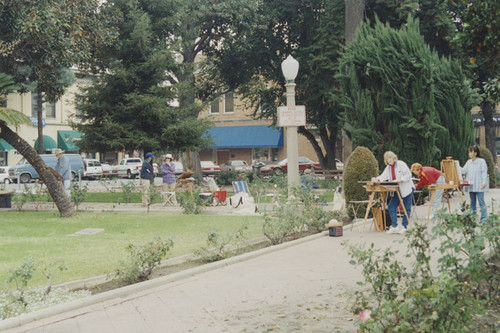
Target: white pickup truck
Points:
(129, 167)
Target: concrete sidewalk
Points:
(303, 286)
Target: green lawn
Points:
(47, 237)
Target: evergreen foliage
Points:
(397, 96)
(435, 19)
(360, 166)
(131, 106)
(486, 154)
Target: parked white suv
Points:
(92, 169)
(129, 167)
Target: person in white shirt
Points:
(476, 173)
(397, 171)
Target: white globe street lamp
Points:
(290, 68)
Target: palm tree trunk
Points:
(66, 208)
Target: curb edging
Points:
(129, 290)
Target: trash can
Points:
(5, 199)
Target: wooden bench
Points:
(329, 174)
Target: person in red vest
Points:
(429, 176)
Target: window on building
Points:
(275, 154)
(228, 103)
(3, 102)
(261, 154)
(50, 110)
(3, 158)
(214, 106)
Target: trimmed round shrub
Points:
(486, 154)
(360, 166)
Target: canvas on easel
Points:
(451, 171)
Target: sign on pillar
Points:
(291, 116)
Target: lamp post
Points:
(290, 68)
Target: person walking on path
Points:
(63, 168)
(168, 171)
(147, 173)
(476, 173)
(397, 171)
(429, 176)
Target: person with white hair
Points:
(63, 168)
(168, 172)
(397, 171)
(307, 181)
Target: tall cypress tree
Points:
(397, 96)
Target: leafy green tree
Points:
(43, 39)
(48, 37)
(397, 96)
(199, 26)
(478, 43)
(131, 105)
(169, 66)
(250, 60)
(10, 117)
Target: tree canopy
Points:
(47, 37)
(249, 61)
(131, 105)
(478, 43)
(147, 99)
(401, 96)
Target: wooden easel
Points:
(381, 188)
(186, 182)
(451, 171)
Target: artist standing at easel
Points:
(63, 168)
(476, 173)
(398, 172)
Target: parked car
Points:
(4, 175)
(155, 169)
(109, 170)
(129, 167)
(282, 166)
(256, 165)
(26, 172)
(236, 165)
(92, 169)
(179, 168)
(209, 168)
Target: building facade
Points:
(56, 119)
(237, 136)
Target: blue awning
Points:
(260, 136)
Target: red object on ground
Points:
(221, 195)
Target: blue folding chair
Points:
(241, 186)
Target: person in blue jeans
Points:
(476, 173)
(397, 171)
